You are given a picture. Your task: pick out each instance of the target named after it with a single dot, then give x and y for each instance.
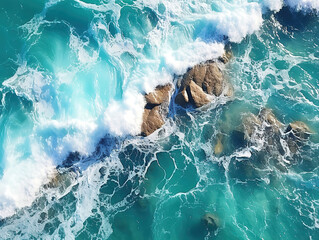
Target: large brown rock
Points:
(201, 81)
(197, 96)
(152, 120)
(208, 76)
(156, 107)
(159, 95)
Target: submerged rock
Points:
(296, 134)
(218, 146)
(298, 130)
(155, 109)
(267, 116)
(251, 123)
(267, 133)
(200, 83)
(60, 180)
(210, 221)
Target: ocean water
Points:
(73, 74)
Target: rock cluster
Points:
(266, 128)
(200, 84)
(196, 88)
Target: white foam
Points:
(273, 5)
(125, 117)
(303, 4)
(238, 22)
(21, 180)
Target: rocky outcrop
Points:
(155, 109)
(200, 84)
(267, 129)
(197, 87)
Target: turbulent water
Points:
(73, 74)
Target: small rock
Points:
(219, 146)
(210, 221)
(226, 56)
(182, 98)
(266, 115)
(156, 107)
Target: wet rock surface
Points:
(269, 135)
(155, 109)
(196, 88)
(200, 83)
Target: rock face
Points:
(200, 83)
(152, 120)
(156, 107)
(161, 94)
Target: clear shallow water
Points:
(69, 64)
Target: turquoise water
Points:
(73, 75)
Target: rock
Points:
(226, 57)
(298, 130)
(156, 107)
(182, 98)
(197, 96)
(60, 179)
(251, 123)
(210, 221)
(219, 146)
(229, 90)
(159, 95)
(265, 122)
(200, 83)
(208, 76)
(266, 115)
(152, 120)
(296, 134)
